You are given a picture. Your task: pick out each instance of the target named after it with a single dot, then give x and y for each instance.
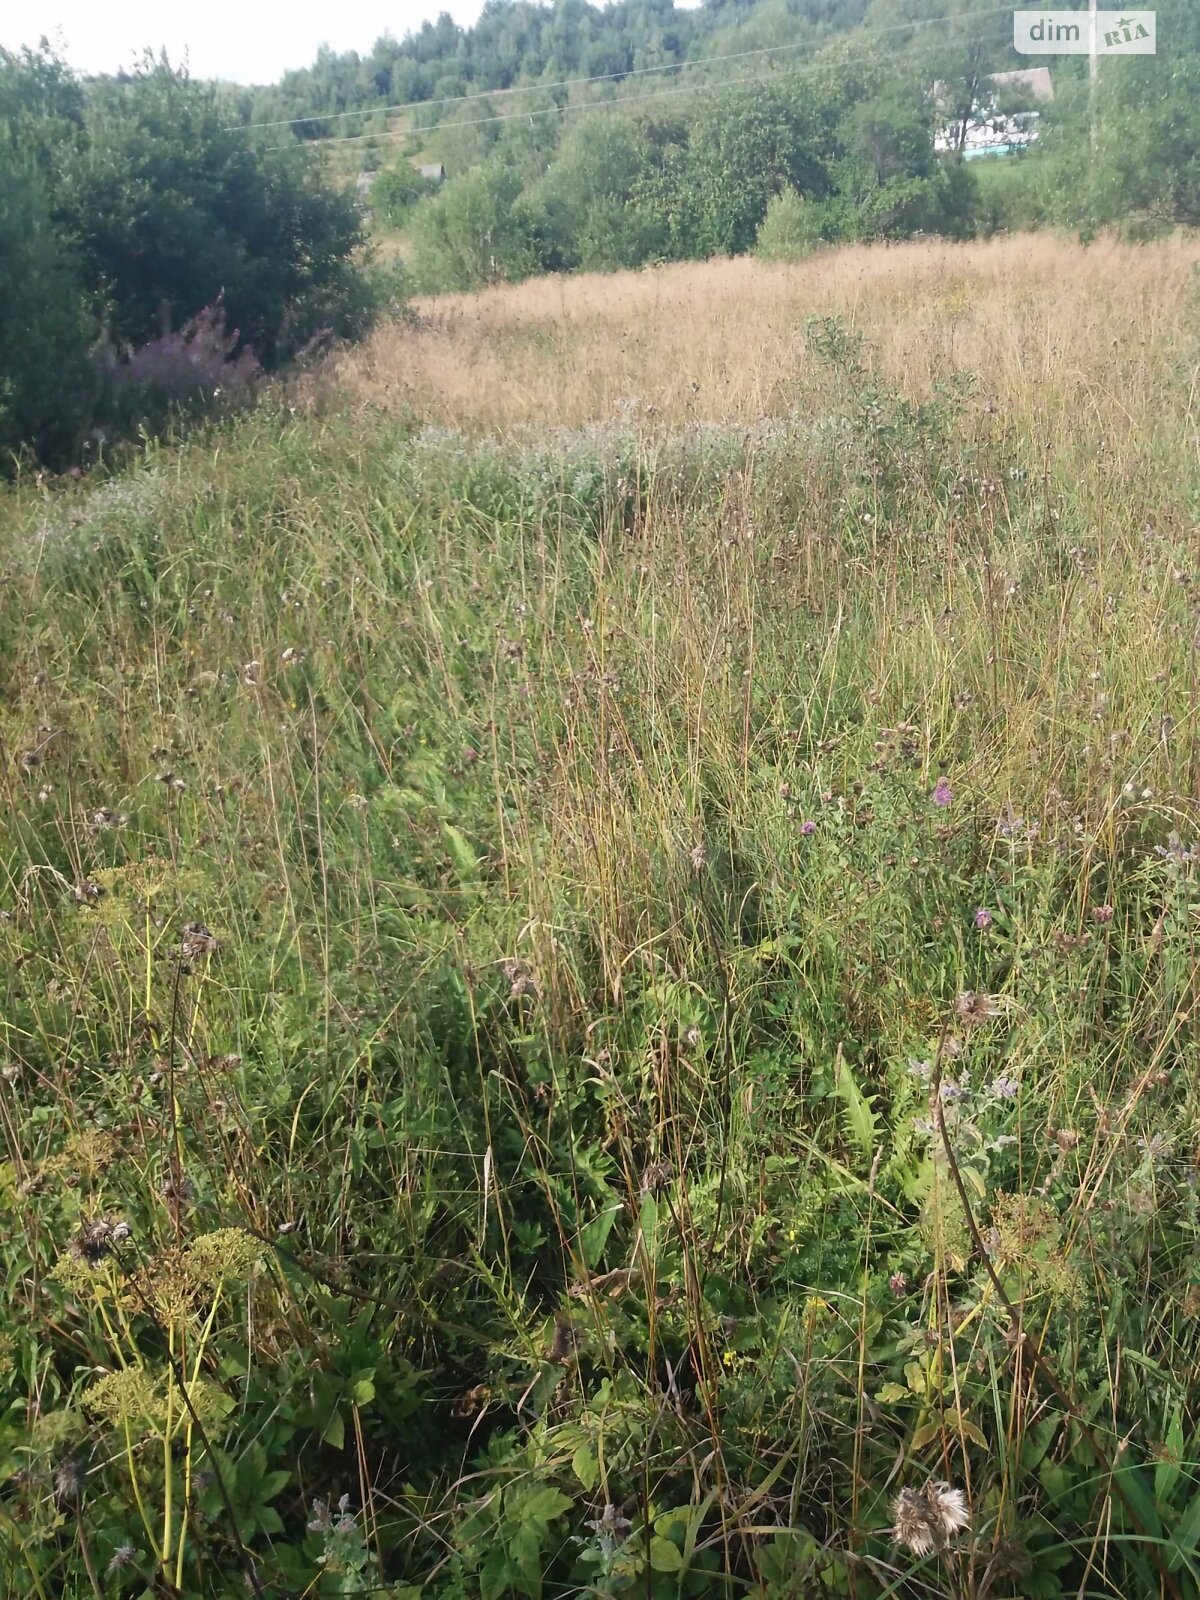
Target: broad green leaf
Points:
(861, 1121)
(594, 1236)
(665, 1556)
(585, 1466)
(544, 1504)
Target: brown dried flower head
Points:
(927, 1519)
(197, 941)
(97, 1239)
(974, 1007)
(106, 817)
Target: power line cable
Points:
(605, 77)
(585, 105)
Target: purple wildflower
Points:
(1003, 1087)
(808, 826)
(982, 918)
(1102, 913)
(943, 794)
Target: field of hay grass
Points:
(598, 983)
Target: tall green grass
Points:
(489, 1103)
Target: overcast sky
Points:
(246, 41)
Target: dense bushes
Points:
(844, 149)
(127, 209)
(397, 189)
(854, 160)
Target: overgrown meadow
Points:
(596, 1001)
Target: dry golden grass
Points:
(1040, 319)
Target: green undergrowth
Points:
(490, 1107)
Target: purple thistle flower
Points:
(982, 918)
(943, 794)
(1102, 913)
(807, 827)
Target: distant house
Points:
(433, 170)
(991, 132)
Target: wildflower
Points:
(106, 817)
(951, 1093)
(611, 1529)
(97, 1239)
(121, 1557)
(292, 656)
(171, 780)
(67, 1481)
(1102, 914)
(197, 941)
(920, 1069)
(251, 673)
(1175, 851)
(898, 1284)
(698, 856)
(808, 827)
(927, 1519)
(523, 983)
(975, 1007)
(1066, 1139)
(178, 1191)
(1003, 1088)
(982, 918)
(1155, 1147)
(655, 1177)
(943, 794)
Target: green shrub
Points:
(48, 381)
(396, 190)
(130, 208)
(792, 228)
(472, 233)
